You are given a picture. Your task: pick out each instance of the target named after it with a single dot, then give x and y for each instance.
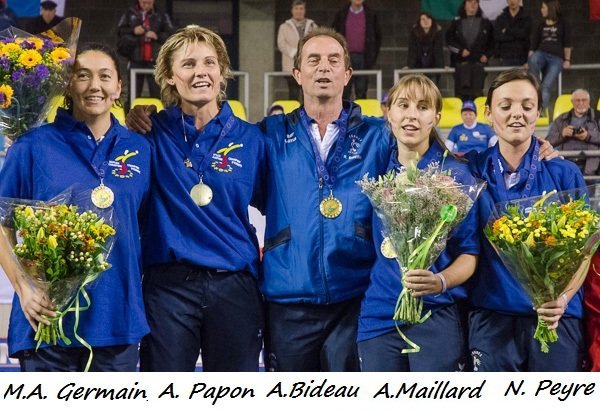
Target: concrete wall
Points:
(256, 48)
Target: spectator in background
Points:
(578, 129)
(46, 20)
(288, 36)
(512, 29)
(359, 25)
(275, 109)
(425, 45)
(550, 49)
(470, 135)
(471, 43)
(7, 16)
(142, 30)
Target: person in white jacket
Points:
(290, 33)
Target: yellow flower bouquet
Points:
(61, 249)
(34, 70)
(545, 242)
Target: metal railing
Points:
(267, 98)
(242, 74)
(582, 154)
(491, 69)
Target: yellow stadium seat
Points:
(480, 104)
(119, 113)
(450, 112)
(288, 105)
(147, 101)
(238, 109)
(56, 103)
(370, 107)
(544, 119)
(562, 104)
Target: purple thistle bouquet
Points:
(33, 70)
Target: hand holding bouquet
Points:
(33, 70)
(418, 209)
(61, 250)
(546, 243)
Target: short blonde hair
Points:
(411, 85)
(184, 38)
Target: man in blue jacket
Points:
(318, 248)
(318, 244)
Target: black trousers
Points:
(311, 337)
(194, 310)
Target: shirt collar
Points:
(65, 121)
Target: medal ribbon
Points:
(324, 174)
(201, 168)
(531, 170)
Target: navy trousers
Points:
(117, 358)
(194, 310)
(500, 342)
(311, 337)
(442, 342)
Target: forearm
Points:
(8, 260)
(567, 53)
(460, 270)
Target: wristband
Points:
(443, 280)
(564, 295)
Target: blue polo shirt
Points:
(218, 235)
(466, 138)
(385, 285)
(46, 161)
(493, 286)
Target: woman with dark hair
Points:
(471, 44)
(87, 147)
(425, 44)
(550, 48)
(502, 321)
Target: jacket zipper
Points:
(321, 245)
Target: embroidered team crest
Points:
(355, 142)
(121, 167)
(476, 357)
(223, 161)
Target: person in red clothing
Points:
(142, 30)
(592, 311)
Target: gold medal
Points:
(201, 194)
(330, 207)
(387, 249)
(102, 196)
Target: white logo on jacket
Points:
(355, 142)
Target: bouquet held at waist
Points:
(418, 209)
(546, 243)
